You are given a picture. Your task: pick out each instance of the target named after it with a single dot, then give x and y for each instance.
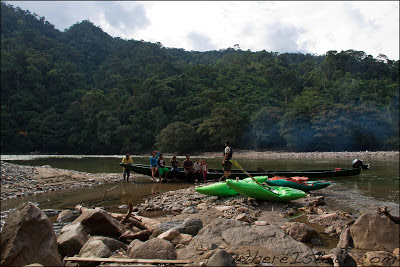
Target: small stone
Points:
(261, 223)
(242, 217)
(223, 208)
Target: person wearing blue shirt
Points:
(153, 163)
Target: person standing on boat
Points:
(162, 170)
(153, 163)
(228, 152)
(127, 160)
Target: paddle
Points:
(248, 174)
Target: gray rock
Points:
(341, 258)
(155, 248)
(95, 249)
(71, 239)
(300, 231)
(373, 232)
(271, 237)
(189, 210)
(111, 243)
(28, 237)
(165, 226)
(100, 222)
(191, 226)
(221, 258)
(187, 253)
(133, 244)
(65, 215)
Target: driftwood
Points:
(128, 214)
(105, 194)
(80, 208)
(120, 260)
(384, 211)
(345, 239)
(143, 235)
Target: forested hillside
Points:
(82, 91)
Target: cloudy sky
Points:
(283, 26)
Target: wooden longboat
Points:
(217, 174)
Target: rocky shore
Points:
(193, 229)
(199, 230)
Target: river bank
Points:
(327, 216)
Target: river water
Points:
(376, 187)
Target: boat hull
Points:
(217, 174)
(306, 186)
(221, 189)
(266, 193)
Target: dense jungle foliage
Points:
(82, 91)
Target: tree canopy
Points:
(82, 91)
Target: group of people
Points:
(193, 171)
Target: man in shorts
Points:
(228, 152)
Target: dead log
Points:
(150, 224)
(105, 194)
(80, 208)
(384, 211)
(128, 214)
(143, 235)
(345, 239)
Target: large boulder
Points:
(93, 248)
(373, 232)
(154, 248)
(99, 222)
(191, 226)
(28, 237)
(300, 231)
(71, 239)
(234, 233)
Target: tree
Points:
(177, 137)
(221, 125)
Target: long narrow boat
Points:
(301, 184)
(264, 192)
(216, 174)
(221, 189)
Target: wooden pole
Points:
(248, 174)
(122, 260)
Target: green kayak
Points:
(305, 186)
(269, 193)
(221, 189)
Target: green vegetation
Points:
(82, 91)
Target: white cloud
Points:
(282, 26)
